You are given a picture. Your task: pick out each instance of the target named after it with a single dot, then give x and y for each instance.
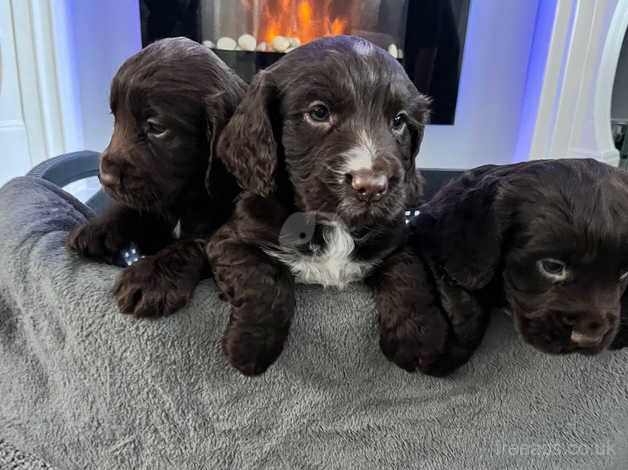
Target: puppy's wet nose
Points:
(109, 174)
(368, 185)
(589, 330)
(108, 179)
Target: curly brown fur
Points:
(163, 282)
(414, 339)
(170, 102)
(544, 239)
(324, 144)
(261, 292)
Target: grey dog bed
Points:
(82, 386)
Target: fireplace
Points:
(425, 36)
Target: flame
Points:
(304, 20)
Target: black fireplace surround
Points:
(426, 36)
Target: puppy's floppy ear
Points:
(419, 117)
(248, 146)
(464, 226)
(218, 110)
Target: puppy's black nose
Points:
(368, 185)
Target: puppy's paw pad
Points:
(145, 290)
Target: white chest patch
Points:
(333, 267)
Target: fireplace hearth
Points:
(426, 36)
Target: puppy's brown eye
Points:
(319, 113)
(155, 128)
(399, 121)
(553, 268)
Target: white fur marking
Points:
(334, 267)
(360, 157)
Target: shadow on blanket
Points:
(82, 386)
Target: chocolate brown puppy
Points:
(546, 240)
(324, 144)
(170, 102)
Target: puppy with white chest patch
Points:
(324, 145)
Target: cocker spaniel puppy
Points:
(324, 144)
(546, 240)
(170, 102)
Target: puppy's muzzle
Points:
(368, 185)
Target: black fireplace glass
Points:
(426, 36)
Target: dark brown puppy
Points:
(324, 143)
(547, 240)
(170, 102)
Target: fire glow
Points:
(304, 20)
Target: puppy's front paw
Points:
(94, 240)
(252, 350)
(148, 289)
(416, 343)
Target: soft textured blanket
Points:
(82, 386)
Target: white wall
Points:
(39, 113)
(14, 150)
(57, 58)
(104, 34)
(620, 90)
(492, 85)
(573, 110)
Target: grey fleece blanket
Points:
(82, 386)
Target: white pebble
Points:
(294, 42)
(392, 49)
(247, 42)
(209, 44)
(226, 43)
(400, 53)
(262, 46)
(280, 44)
